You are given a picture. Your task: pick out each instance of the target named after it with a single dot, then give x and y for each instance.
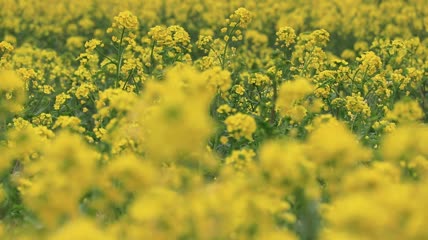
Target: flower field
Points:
(213, 120)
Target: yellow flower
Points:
(174, 114)
(333, 142)
(60, 99)
(405, 146)
(285, 37)
(161, 35)
(240, 159)
(239, 89)
(83, 91)
(351, 216)
(69, 122)
(287, 163)
(405, 111)
(241, 125)
(241, 17)
(218, 79)
(42, 119)
(65, 157)
(5, 47)
(84, 229)
(225, 109)
(259, 79)
(126, 20)
(356, 105)
(92, 44)
(297, 113)
(370, 63)
(384, 125)
(290, 92)
(12, 93)
(224, 140)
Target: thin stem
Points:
(120, 57)
(105, 56)
(3, 129)
(128, 78)
(307, 61)
(37, 105)
(152, 58)
(353, 122)
(423, 97)
(227, 44)
(274, 98)
(216, 54)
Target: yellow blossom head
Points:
(12, 93)
(126, 20)
(241, 125)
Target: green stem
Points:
(274, 98)
(216, 54)
(307, 61)
(120, 57)
(105, 56)
(152, 58)
(227, 44)
(3, 129)
(37, 105)
(128, 78)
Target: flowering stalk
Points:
(119, 57)
(229, 38)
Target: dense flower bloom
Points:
(12, 93)
(241, 125)
(126, 20)
(370, 63)
(285, 37)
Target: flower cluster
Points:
(125, 20)
(285, 37)
(12, 93)
(241, 125)
(370, 63)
